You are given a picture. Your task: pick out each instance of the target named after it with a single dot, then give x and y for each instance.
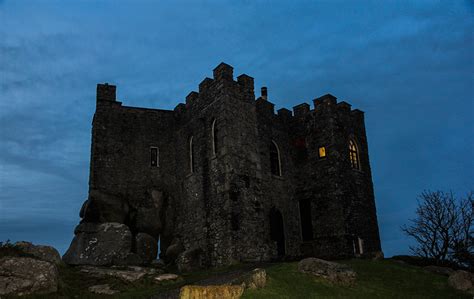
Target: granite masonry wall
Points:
(213, 191)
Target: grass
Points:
(75, 284)
(376, 279)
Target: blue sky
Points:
(408, 65)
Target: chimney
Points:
(264, 93)
(106, 92)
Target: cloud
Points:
(408, 65)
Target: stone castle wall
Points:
(219, 205)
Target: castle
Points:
(225, 178)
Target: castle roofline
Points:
(223, 72)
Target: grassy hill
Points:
(376, 279)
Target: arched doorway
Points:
(277, 230)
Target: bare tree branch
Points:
(443, 227)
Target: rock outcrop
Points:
(99, 244)
(446, 271)
(377, 255)
(128, 274)
(166, 277)
(173, 251)
(101, 207)
(117, 231)
(190, 260)
(102, 289)
(24, 275)
(256, 279)
(148, 216)
(41, 252)
(334, 272)
(462, 280)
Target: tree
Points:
(463, 236)
(443, 228)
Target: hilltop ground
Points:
(376, 279)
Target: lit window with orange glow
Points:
(322, 152)
(354, 155)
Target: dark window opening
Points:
(154, 157)
(306, 220)
(277, 232)
(191, 155)
(257, 206)
(215, 144)
(275, 162)
(234, 221)
(246, 180)
(234, 195)
(301, 151)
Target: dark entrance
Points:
(277, 230)
(306, 222)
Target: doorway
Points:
(306, 220)
(277, 230)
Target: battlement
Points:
(301, 109)
(246, 84)
(223, 77)
(223, 72)
(327, 99)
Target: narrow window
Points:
(322, 152)
(275, 159)
(214, 138)
(354, 155)
(154, 157)
(234, 221)
(191, 155)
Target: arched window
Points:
(191, 155)
(275, 159)
(354, 155)
(214, 137)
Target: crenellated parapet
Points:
(324, 104)
(222, 83)
(301, 110)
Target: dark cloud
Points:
(408, 65)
